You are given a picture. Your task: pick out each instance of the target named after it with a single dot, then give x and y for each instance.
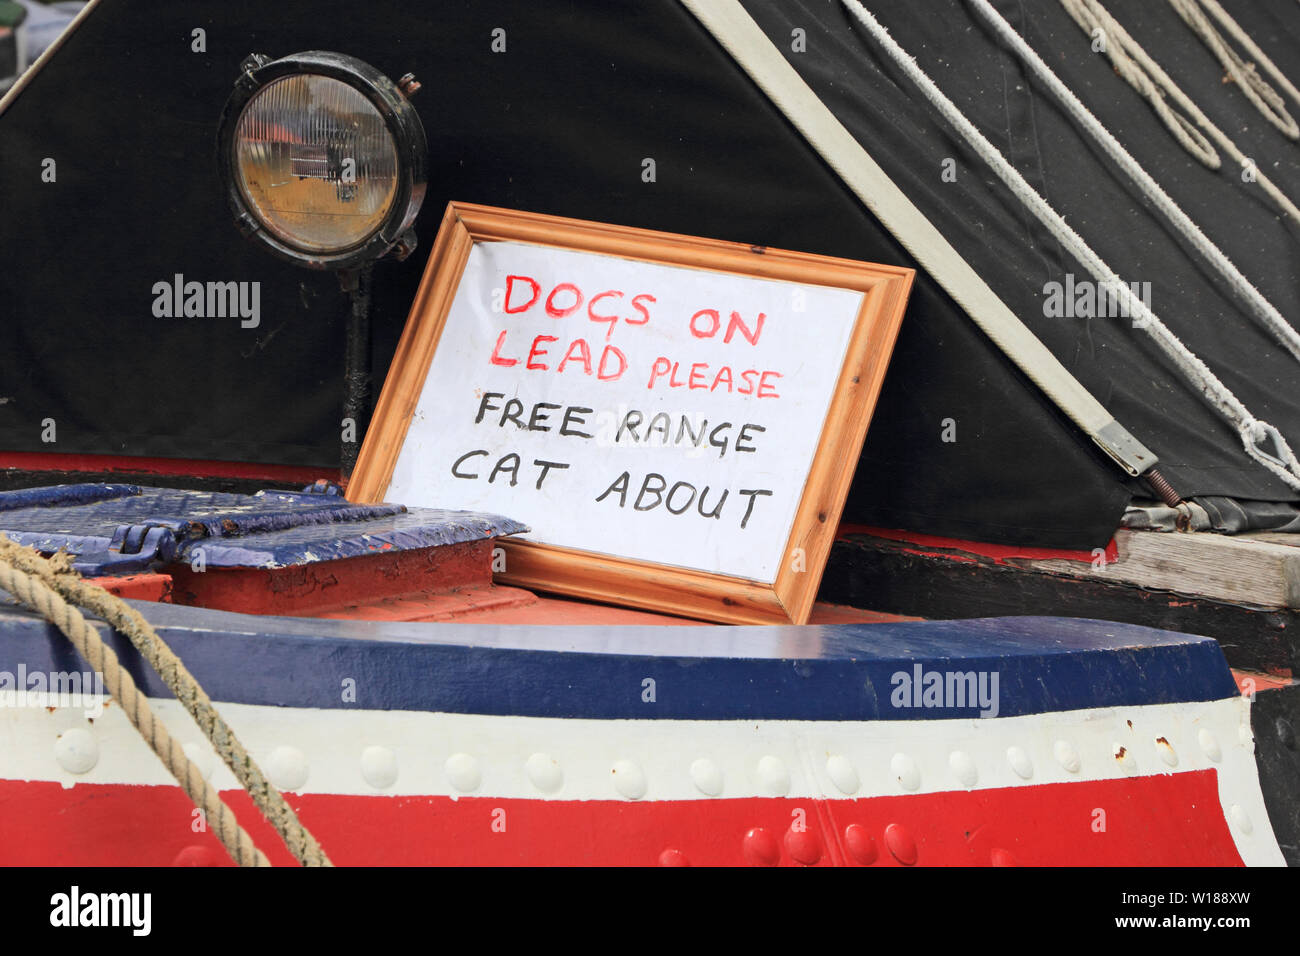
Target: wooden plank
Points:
(1239, 569)
(1290, 540)
(897, 577)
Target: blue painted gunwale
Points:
(840, 672)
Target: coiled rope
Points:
(1133, 63)
(1253, 432)
(51, 588)
(1127, 59)
(1265, 99)
(1260, 307)
(1242, 37)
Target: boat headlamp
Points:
(323, 159)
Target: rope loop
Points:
(1281, 461)
(1198, 374)
(1119, 48)
(1267, 100)
(1146, 76)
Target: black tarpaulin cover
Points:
(560, 123)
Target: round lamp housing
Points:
(323, 159)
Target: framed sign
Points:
(677, 420)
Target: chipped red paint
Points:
(1253, 681)
(999, 553)
(325, 586)
(1147, 821)
(389, 598)
(946, 555)
(138, 587)
(98, 464)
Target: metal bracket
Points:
(322, 486)
(1129, 453)
(250, 65)
(1279, 444)
(133, 547)
(406, 244)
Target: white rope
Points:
(1251, 430)
(1242, 37)
(1128, 67)
(751, 48)
(1120, 46)
(1251, 47)
(1265, 99)
(1264, 310)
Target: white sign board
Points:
(652, 412)
(628, 408)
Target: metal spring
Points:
(1162, 488)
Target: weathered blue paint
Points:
(843, 672)
(104, 524)
(63, 495)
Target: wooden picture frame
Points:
(617, 580)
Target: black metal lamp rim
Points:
(399, 116)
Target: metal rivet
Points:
(963, 768)
(760, 848)
(463, 772)
(195, 856)
(773, 776)
(1067, 756)
(202, 758)
(76, 750)
(707, 777)
(379, 767)
(287, 768)
(545, 773)
(671, 857)
(842, 774)
(900, 844)
(1020, 762)
(803, 846)
(1209, 744)
(409, 85)
(860, 844)
(1240, 818)
(1166, 751)
(629, 780)
(905, 771)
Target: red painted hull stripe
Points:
(1162, 820)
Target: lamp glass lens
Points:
(316, 162)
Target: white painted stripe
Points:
(419, 753)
